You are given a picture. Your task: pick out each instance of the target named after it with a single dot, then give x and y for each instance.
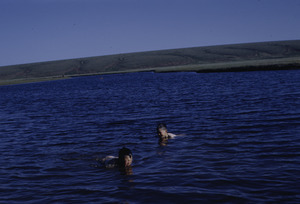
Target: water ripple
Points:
(241, 142)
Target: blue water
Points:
(241, 142)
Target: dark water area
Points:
(241, 142)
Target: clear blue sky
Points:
(44, 30)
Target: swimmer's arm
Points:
(108, 158)
(171, 135)
(110, 161)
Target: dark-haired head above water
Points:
(125, 157)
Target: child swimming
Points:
(123, 161)
(163, 133)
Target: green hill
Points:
(236, 57)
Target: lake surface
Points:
(241, 142)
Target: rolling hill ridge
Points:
(235, 57)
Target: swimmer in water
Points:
(163, 134)
(123, 161)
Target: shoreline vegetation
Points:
(277, 55)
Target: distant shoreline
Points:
(282, 55)
(265, 65)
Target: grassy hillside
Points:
(237, 57)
